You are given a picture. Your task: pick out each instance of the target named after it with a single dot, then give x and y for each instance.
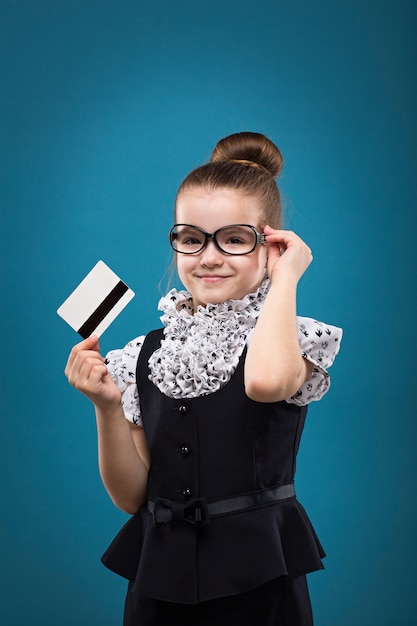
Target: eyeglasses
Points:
(234, 239)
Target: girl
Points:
(215, 405)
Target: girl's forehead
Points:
(218, 206)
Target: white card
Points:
(96, 302)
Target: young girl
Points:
(215, 405)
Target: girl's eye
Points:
(190, 241)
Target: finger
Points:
(276, 240)
(268, 230)
(86, 359)
(77, 359)
(281, 235)
(286, 240)
(90, 374)
(91, 343)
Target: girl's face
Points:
(211, 276)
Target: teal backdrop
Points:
(105, 107)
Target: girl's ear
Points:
(266, 258)
(266, 263)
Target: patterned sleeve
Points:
(319, 344)
(122, 368)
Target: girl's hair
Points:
(249, 163)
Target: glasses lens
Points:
(236, 239)
(187, 239)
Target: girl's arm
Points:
(274, 367)
(122, 450)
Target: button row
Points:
(185, 450)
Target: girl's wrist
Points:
(110, 411)
(284, 277)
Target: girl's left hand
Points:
(286, 252)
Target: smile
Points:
(212, 278)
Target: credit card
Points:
(96, 302)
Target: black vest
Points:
(211, 449)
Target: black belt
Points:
(199, 512)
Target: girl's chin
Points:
(214, 296)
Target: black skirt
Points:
(280, 602)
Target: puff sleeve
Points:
(121, 365)
(319, 344)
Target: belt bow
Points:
(193, 512)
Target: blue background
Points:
(105, 107)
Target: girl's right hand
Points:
(87, 372)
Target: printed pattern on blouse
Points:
(201, 349)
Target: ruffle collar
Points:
(201, 349)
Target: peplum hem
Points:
(179, 562)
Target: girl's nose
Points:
(211, 255)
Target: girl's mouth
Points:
(212, 278)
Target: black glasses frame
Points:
(260, 238)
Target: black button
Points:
(186, 493)
(183, 409)
(185, 450)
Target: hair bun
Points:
(249, 147)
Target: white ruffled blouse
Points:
(200, 350)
